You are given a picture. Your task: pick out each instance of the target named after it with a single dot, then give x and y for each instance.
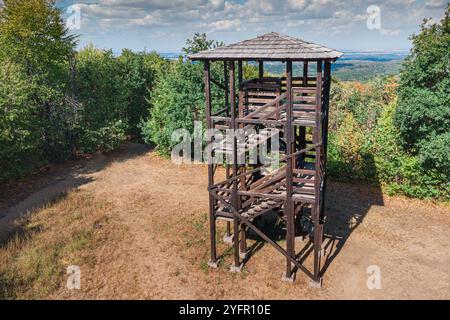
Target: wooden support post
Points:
(240, 89)
(212, 201)
(227, 237)
(242, 168)
(326, 108)
(240, 75)
(225, 84)
(261, 69)
(318, 177)
(289, 212)
(302, 129)
(234, 202)
(326, 102)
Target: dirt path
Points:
(157, 240)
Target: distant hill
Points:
(363, 66)
(354, 65)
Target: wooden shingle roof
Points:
(270, 47)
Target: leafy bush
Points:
(347, 144)
(435, 154)
(421, 115)
(104, 139)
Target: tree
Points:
(178, 97)
(33, 34)
(138, 72)
(423, 113)
(20, 130)
(101, 93)
(200, 43)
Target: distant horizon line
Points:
(373, 51)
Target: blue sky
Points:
(164, 25)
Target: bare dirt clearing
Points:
(145, 230)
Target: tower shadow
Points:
(346, 206)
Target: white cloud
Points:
(436, 3)
(225, 25)
(304, 18)
(390, 32)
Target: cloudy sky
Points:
(164, 25)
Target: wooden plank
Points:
(302, 106)
(317, 136)
(272, 103)
(304, 115)
(261, 93)
(304, 90)
(305, 98)
(259, 100)
(304, 171)
(303, 180)
(262, 86)
(304, 190)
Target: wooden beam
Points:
(261, 69)
(316, 208)
(225, 77)
(302, 130)
(234, 197)
(241, 93)
(290, 231)
(212, 201)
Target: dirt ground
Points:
(152, 242)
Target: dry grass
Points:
(64, 232)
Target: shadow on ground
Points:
(22, 198)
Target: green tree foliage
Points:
(423, 114)
(99, 86)
(112, 94)
(138, 73)
(200, 42)
(20, 130)
(34, 40)
(177, 101)
(33, 34)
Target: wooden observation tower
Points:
(297, 106)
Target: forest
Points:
(59, 103)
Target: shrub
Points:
(435, 154)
